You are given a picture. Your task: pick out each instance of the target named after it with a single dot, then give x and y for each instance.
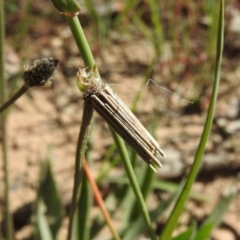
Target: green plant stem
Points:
(17, 95)
(3, 121)
(88, 59)
(81, 147)
(172, 221)
(81, 41)
(133, 182)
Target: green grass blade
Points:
(172, 187)
(128, 202)
(3, 120)
(85, 204)
(157, 26)
(144, 29)
(128, 7)
(133, 182)
(172, 221)
(138, 226)
(42, 224)
(148, 176)
(215, 218)
(161, 185)
(92, 11)
(106, 165)
(51, 198)
(144, 81)
(102, 22)
(205, 231)
(186, 235)
(48, 204)
(145, 179)
(211, 12)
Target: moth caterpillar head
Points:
(87, 79)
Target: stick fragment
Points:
(111, 108)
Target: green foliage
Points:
(84, 211)
(48, 209)
(178, 209)
(133, 188)
(186, 235)
(8, 228)
(215, 217)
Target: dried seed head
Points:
(39, 73)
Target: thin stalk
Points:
(17, 95)
(172, 221)
(133, 182)
(3, 121)
(100, 201)
(157, 26)
(88, 59)
(144, 81)
(145, 180)
(37, 74)
(80, 152)
(81, 41)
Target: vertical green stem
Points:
(3, 121)
(88, 59)
(134, 183)
(172, 221)
(89, 62)
(81, 41)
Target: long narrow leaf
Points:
(42, 223)
(186, 235)
(133, 181)
(205, 231)
(172, 221)
(83, 228)
(215, 217)
(138, 226)
(48, 205)
(8, 228)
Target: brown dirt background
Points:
(48, 119)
